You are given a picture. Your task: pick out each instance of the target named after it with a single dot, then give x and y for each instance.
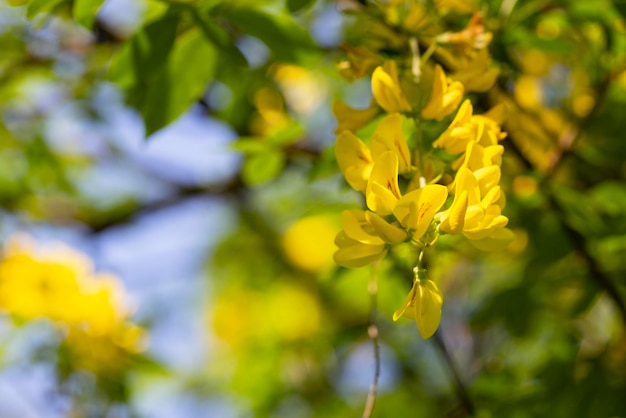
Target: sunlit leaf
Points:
(84, 11)
(263, 166)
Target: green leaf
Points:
(288, 135)
(297, 5)
(41, 6)
(84, 11)
(190, 67)
(163, 75)
(263, 167)
(143, 57)
(215, 34)
(249, 145)
(288, 40)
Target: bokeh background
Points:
(185, 148)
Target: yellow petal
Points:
(354, 160)
(417, 209)
(490, 220)
(354, 254)
(499, 239)
(466, 181)
(487, 178)
(454, 139)
(455, 219)
(407, 304)
(386, 89)
(353, 221)
(389, 233)
(388, 136)
(382, 190)
(427, 308)
(351, 119)
(444, 98)
(492, 197)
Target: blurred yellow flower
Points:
(59, 284)
(444, 98)
(475, 73)
(304, 90)
(473, 36)
(308, 242)
(386, 88)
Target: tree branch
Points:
(461, 389)
(372, 332)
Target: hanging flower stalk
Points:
(415, 193)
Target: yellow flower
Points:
(386, 88)
(475, 211)
(423, 304)
(444, 98)
(351, 119)
(382, 190)
(388, 136)
(307, 243)
(364, 238)
(354, 160)
(416, 210)
(488, 131)
(477, 156)
(461, 131)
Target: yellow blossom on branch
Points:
(354, 160)
(388, 136)
(474, 212)
(386, 89)
(423, 305)
(444, 98)
(460, 132)
(364, 238)
(382, 191)
(416, 209)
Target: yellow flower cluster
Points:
(404, 201)
(59, 284)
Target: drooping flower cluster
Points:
(412, 195)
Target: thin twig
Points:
(372, 332)
(460, 387)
